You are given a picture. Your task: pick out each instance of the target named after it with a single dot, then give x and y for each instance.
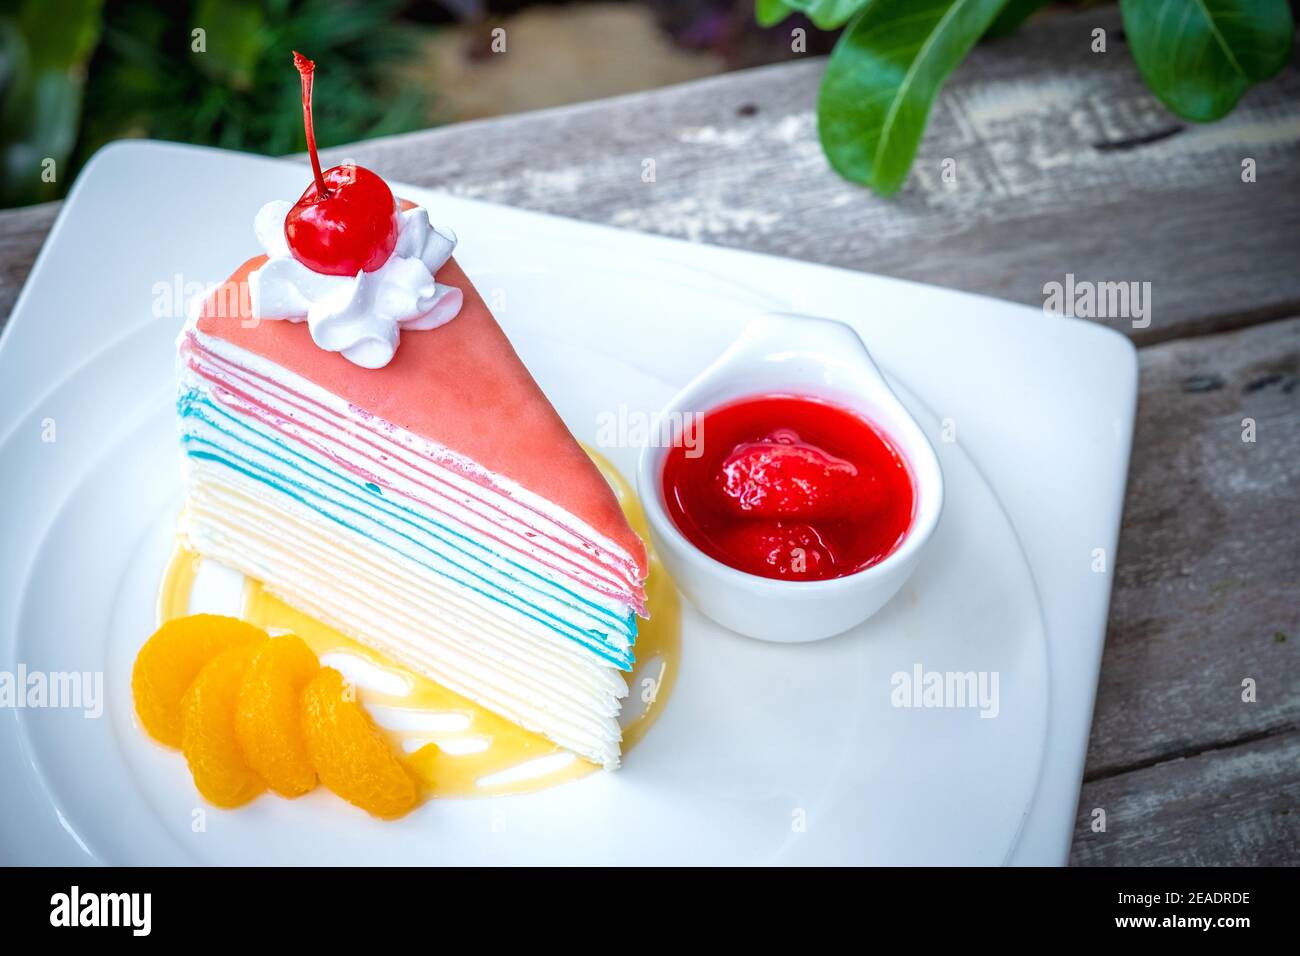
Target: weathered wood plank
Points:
(1239, 806)
(1207, 589)
(1062, 160)
(22, 232)
(1062, 166)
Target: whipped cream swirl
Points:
(360, 316)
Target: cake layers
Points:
(408, 547)
(459, 387)
(547, 539)
(360, 589)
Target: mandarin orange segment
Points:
(350, 753)
(208, 737)
(170, 661)
(268, 718)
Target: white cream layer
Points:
(361, 316)
(450, 553)
(374, 595)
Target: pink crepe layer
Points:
(461, 386)
(235, 387)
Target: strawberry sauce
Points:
(790, 488)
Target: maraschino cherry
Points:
(346, 220)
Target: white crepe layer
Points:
(511, 603)
(383, 601)
(423, 471)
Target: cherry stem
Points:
(307, 70)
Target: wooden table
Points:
(1065, 164)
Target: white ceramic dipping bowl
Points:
(815, 358)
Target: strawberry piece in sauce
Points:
(780, 549)
(783, 476)
(788, 487)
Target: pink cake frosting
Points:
(461, 386)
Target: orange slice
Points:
(268, 716)
(170, 661)
(350, 753)
(208, 737)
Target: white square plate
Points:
(764, 753)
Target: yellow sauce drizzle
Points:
(459, 747)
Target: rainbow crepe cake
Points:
(372, 450)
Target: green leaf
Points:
(1012, 16)
(882, 78)
(828, 14)
(44, 46)
(243, 93)
(1199, 56)
(236, 40)
(769, 13)
(60, 33)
